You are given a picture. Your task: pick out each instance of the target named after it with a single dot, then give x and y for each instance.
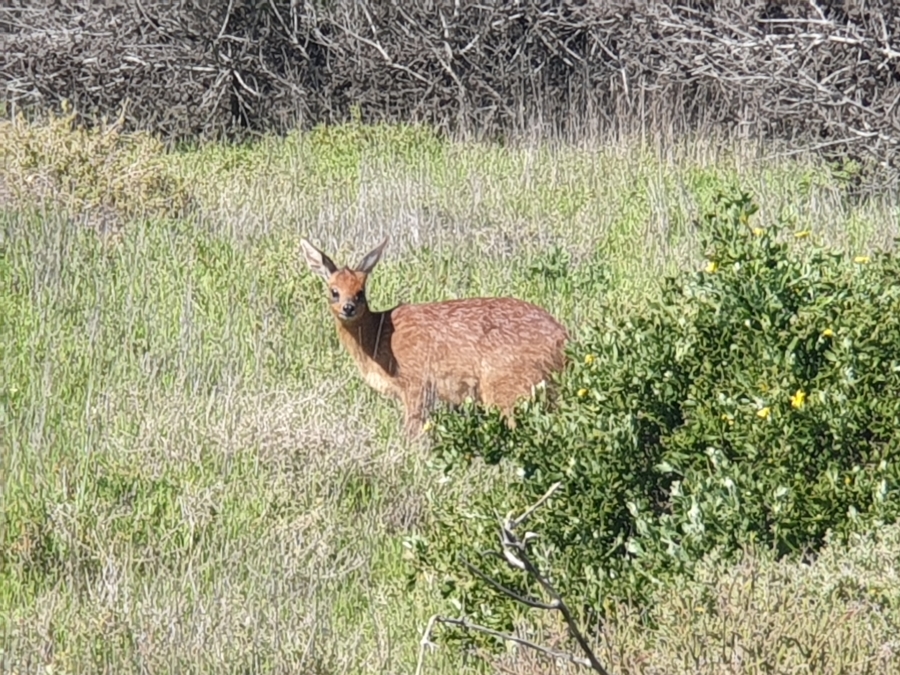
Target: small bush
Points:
(752, 404)
(97, 171)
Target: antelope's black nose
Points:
(349, 309)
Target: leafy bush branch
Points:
(752, 404)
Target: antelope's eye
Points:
(335, 294)
(361, 296)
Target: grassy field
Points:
(193, 478)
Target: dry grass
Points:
(839, 614)
(193, 479)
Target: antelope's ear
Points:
(368, 263)
(318, 262)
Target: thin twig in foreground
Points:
(468, 625)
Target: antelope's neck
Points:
(366, 340)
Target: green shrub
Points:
(97, 171)
(752, 404)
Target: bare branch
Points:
(425, 642)
(513, 523)
(800, 71)
(505, 637)
(497, 586)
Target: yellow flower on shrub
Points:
(712, 267)
(802, 234)
(763, 413)
(428, 426)
(589, 359)
(758, 231)
(582, 392)
(861, 259)
(828, 333)
(798, 400)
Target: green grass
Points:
(192, 476)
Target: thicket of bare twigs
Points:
(822, 72)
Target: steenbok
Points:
(494, 350)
